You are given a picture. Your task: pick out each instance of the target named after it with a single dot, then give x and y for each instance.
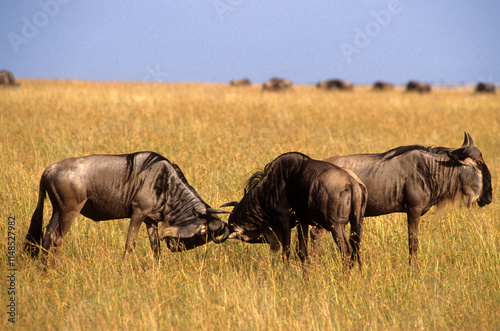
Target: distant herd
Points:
(280, 85)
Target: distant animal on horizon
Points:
(142, 186)
(412, 179)
(7, 79)
(383, 86)
(485, 88)
(418, 87)
(295, 189)
(335, 84)
(277, 85)
(240, 82)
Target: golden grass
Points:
(219, 135)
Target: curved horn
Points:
(471, 142)
(230, 204)
(227, 232)
(466, 140)
(217, 211)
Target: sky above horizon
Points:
(440, 42)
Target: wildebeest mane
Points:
(390, 154)
(151, 160)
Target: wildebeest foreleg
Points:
(153, 238)
(413, 221)
(133, 230)
(303, 236)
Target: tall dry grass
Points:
(219, 135)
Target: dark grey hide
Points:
(297, 189)
(7, 79)
(143, 186)
(335, 84)
(418, 87)
(412, 179)
(277, 84)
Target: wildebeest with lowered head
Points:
(7, 79)
(485, 88)
(335, 84)
(142, 186)
(418, 87)
(412, 179)
(277, 85)
(240, 82)
(318, 192)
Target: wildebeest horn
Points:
(230, 204)
(466, 140)
(227, 232)
(217, 211)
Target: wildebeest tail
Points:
(358, 207)
(34, 235)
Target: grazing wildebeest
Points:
(7, 79)
(418, 87)
(335, 84)
(318, 192)
(142, 186)
(412, 179)
(382, 86)
(240, 82)
(485, 88)
(276, 84)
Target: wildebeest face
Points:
(193, 232)
(486, 194)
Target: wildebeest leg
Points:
(339, 237)
(153, 238)
(303, 238)
(413, 221)
(316, 235)
(133, 230)
(355, 240)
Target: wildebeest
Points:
(276, 84)
(418, 87)
(318, 192)
(240, 82)
(382, 86)
(335, 84)
(485, 88)
(412, 179)
(7, 79)
(142, 186)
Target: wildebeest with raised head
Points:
(485, 88)
(412, 179)
(382, 86)
(418, 87)
(240, 82)
(335, 84)
(143, 186)
(7, 79)
(276, 84)
(318, 192)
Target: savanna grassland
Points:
(219, 135)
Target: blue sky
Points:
(446, 42)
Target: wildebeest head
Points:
(478, 187)
(195, 231)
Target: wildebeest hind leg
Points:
(338, 234)
(413, 220)
(56, 230)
